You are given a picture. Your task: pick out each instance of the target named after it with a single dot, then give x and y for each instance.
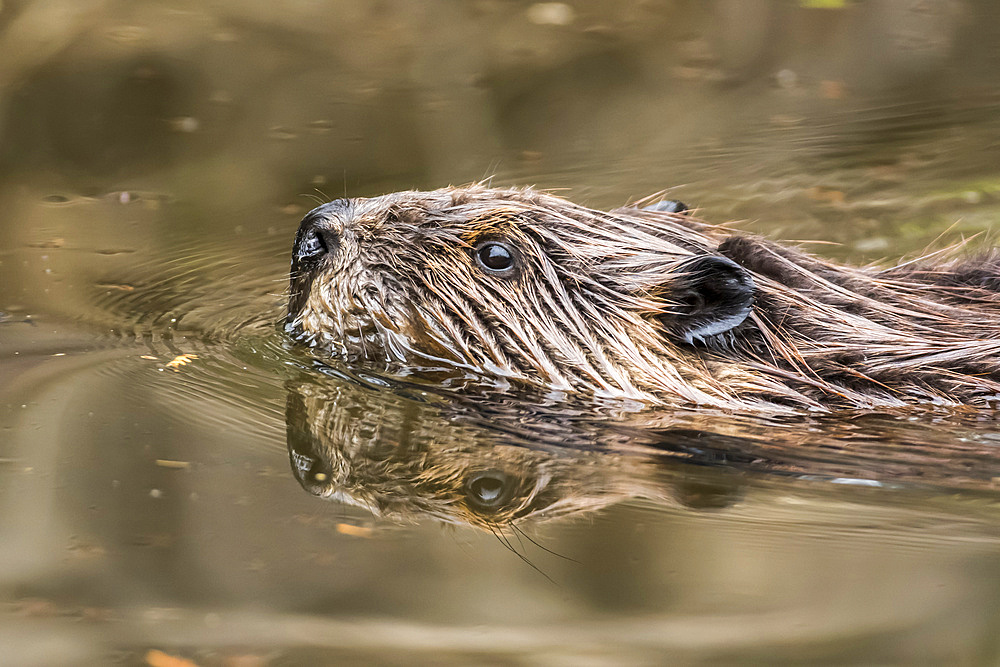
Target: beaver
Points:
(524, 287)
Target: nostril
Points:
(314, 241)
(311, 245)
(320, 231)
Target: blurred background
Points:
(155, 158)
(789, 103)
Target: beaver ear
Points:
(713, 295)
(668, 206)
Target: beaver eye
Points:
(496, 258)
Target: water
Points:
(177, 480)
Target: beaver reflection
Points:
(495, 461)
(404, 459)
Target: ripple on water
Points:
(215, 304)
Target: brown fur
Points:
(600, 298)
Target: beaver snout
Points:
(318, 234)
(311, 244)
(318, 239)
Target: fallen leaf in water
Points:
(156, 658)
(354, 531)
(181, 360)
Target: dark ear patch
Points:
(668, 206)
(713, 295)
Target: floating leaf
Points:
(181, 360)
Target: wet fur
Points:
(599, 302)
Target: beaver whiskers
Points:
(647, 304)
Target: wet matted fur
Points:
(527, 287)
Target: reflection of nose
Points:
(312, 470)
(312, 474)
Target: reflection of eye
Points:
(487, 491)
(496, 258)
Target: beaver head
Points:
(649, 304)
(517, 284)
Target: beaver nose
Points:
(317, 236)
(311, 243)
